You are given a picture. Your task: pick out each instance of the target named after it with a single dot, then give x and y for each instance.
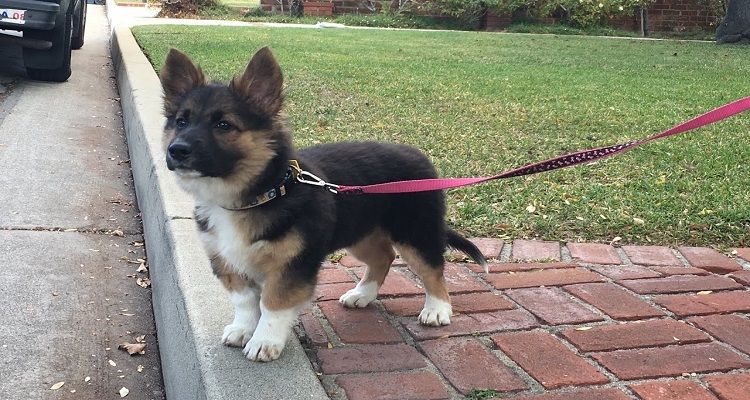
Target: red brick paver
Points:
(672, 390)
(614, 301)
(547, 360)
(591, 394)
(393, 386)
(532, 250)
(458, 279)
(469, 303)
(468, 364)
(709, 259)
(360, 325)
(702, 304)
(731, 329)
(680, 283)
(489, 247)
(548, 277)
(594, 253)
(660, 332)
(333, 275)
(369, 358)
(730, 387)
(313, 328)
(651, 255)
(671, 361)
(679, 270)
(621, 272)
(396, 283)
(474, 324)
(659, 324)
(520, 266)
(743, 253)
(742, 277)
(553, 306)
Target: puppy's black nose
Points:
(179, 150)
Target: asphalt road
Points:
(70, 236)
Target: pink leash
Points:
(423, 185)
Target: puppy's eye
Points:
(181, 123)
(224, 126)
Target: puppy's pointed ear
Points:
(261, 84)
(178, 76)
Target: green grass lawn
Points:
(240, 3)
(480, 103)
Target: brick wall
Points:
(663, 16)
(680, 15)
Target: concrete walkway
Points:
(598, 322)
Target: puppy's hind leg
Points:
(437, 306)
(375, 250)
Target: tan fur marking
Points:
(432, 276)
(375, 250)
(282, 294)
(230, 279)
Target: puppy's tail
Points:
(460, 243)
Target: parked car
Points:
(51, 29)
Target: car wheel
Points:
(60, 36)
(80, 27)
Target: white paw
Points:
(435, 312)
(263, 349)
(237, 335)
(360, 296)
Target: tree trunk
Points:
(736, 24)
(296, 8)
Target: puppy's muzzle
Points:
(179, 154)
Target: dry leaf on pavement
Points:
(143, 282)
(57, 385)
(133, 348)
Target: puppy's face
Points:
(218, 131)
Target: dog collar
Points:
(278, 191)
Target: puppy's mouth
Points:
(187, 173)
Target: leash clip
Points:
(309, 178)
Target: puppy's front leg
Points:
(279, 305)
(246, 315)
(245, 296)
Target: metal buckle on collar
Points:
(309, 178)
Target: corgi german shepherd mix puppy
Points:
(265, 232)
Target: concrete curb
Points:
(190, 306)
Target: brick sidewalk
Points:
(592, 322)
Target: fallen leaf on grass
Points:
(143, 282)
(133, 348)
(57, 385)
(124, 392)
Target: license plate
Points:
(13, 16)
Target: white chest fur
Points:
(229, 236)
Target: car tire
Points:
(60, 36)
(77, 41)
